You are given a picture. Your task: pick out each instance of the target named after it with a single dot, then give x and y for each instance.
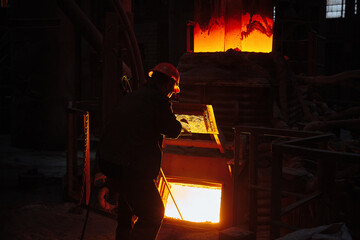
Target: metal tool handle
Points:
(167, 185)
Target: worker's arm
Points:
(169, 126)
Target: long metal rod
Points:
(167, 185)
(83, 23)
(132, 43)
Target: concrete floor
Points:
(32, 205)
(57, 221)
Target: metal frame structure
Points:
(72, 158)
(298, 145)
(240, 162)
(206, 112)
(326, 176)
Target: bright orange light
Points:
(197, 203)
(210, 39)
(256, 33)
(246, 32)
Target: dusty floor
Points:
(55, 221)
(32, 205)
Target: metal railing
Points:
(251, 135)
(326, 175)
(300, 144)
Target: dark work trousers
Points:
(139, 197)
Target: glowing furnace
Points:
(199, 181)
(242, 25)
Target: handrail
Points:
(326, 174)
(298, 143)
(253, 133)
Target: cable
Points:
(86, 218)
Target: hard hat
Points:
(170, 71)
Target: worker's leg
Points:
(124, 220)
(147, 205)
(124, 212)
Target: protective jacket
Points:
(132, 139)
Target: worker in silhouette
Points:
(130, 152)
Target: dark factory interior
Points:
(269, 91)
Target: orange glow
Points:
(197, 203)
(211, 39)
(246, 32)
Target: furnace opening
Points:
(197, 202)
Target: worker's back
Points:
(133, 136)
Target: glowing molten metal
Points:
(233, 24)
(196, 203)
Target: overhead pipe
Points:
(139, 76)
(95, 38)
(83, 23)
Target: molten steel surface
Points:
(192, 123)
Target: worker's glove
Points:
(185, 127)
